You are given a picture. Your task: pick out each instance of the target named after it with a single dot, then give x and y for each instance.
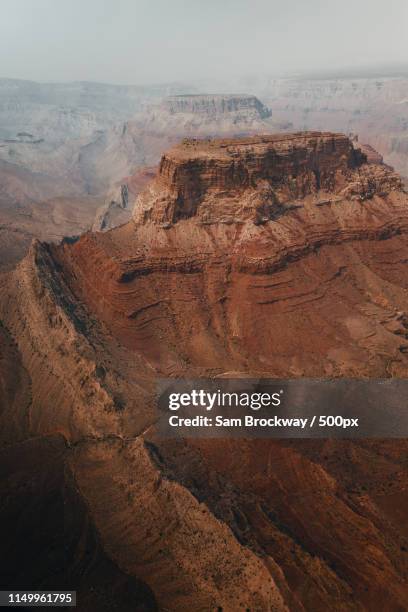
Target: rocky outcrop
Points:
(373, 157)
(257, 177)
(316, 290)
(214, 105)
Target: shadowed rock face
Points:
(48, 538)
(270, 256)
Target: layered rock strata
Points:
(216, 104)
(197, 284)
(257, 177)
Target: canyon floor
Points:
(271, 256)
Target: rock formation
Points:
(258, 177)
(79, 140)
(140, 140)
(217, 104)
(279, 256)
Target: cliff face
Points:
(213, 105)
(200, 283)
(257, 177)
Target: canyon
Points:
(273, 255)
(68, 149)
(374, 107)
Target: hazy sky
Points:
(145, 41)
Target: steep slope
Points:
(273, 256)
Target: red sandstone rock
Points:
(256, 177)
(199, 285)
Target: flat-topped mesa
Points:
(258, 178)
(216, 104)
